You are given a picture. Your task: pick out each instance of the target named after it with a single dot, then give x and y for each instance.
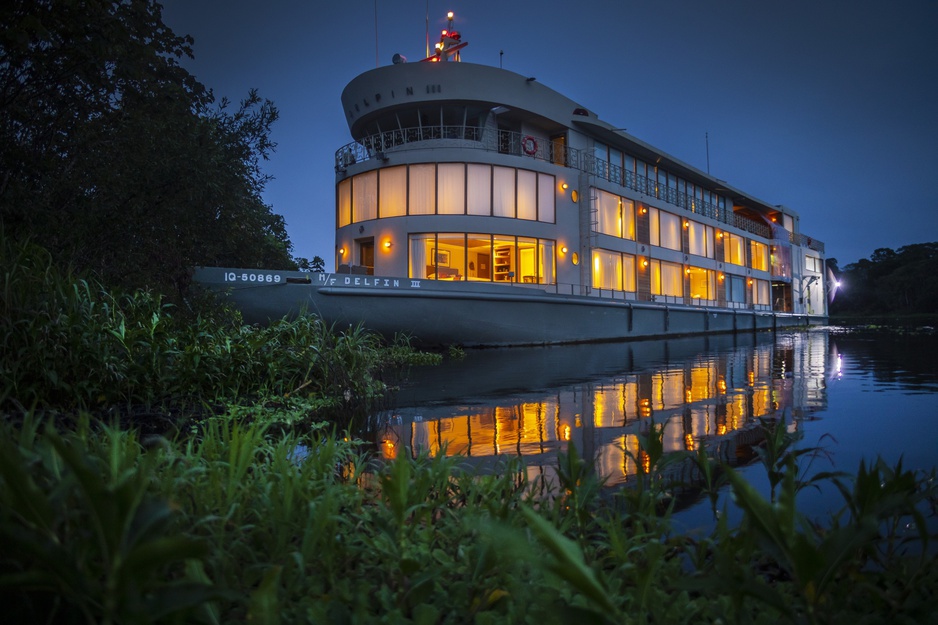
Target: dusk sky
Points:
(829, 107)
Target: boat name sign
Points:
(323, 279)
(328, 279)
(269, 278)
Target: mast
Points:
(450, 43)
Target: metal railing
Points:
(806, 241)
(378, 146)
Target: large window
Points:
(760, 255)
(422, 264)
(365, 196)
(734, 250)
(451, 189)
(527, 195)
(503, 194)
(736, 289)
(527, 260)
(608, 220)
(700, 239)
(615, 215)
(546, 200)
(482, 257)
(607, 270)
(392, 192)
(666, 279)
(345, 203)
(479, 256)
(701, 282)
(447, 189)
(422, 184)
(479, 189)
(612, 270)
(761, 293)
(665, 229)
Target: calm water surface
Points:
(859, 394)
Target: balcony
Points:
(378, 146)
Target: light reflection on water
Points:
(870, 394)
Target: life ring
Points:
(529, 145)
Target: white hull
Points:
(473, 315)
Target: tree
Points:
(902, 281)
(116, 159)
(317, 265)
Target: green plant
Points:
(83, 539)
(781, 457)
(68, 344)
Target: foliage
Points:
(67, 343)
(242, 522)
(83, 538)
(317, 265)
(116, 159)
(262, 514)
(903, 281)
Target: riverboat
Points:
(477, 206)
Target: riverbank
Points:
(254, 499)
(234, 524)
(916, 322)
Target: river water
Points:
(857, 393)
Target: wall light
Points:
(719, 235)
(687, 224)
(341, 251)
(564, 186)
(687, 271)
(722, 277)
(644, 263)
(644, 211)
(387, 244)
(563, 249)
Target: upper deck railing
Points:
(377, 146)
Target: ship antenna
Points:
(376, 33)
(428, 28)
(707, 139)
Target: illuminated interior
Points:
(446, 189)
(698, 402)
(482, 257)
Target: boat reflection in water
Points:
(709, 392)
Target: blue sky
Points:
(829, 107)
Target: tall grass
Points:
(263, 515)
(244, 523)
(68, 343)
